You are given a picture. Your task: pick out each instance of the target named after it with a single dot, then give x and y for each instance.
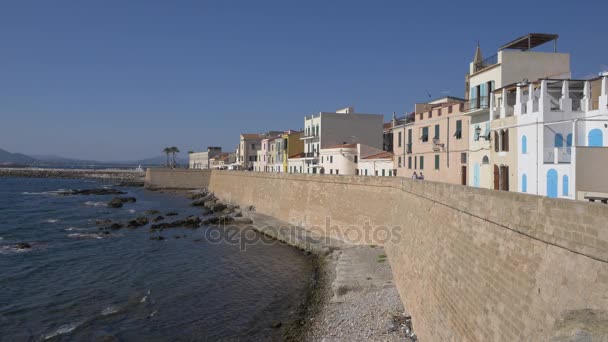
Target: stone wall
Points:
(470, 264)
(164, 178)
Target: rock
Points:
(218, 207)
(106, 232)
(276, 324)
(131, 183)
(103, 222)
(159, 238)
(218, 220)
(242, 220)
(198, 203)
(101, 191)
(196, 194)
(171, 213)
(192, 221)
(152, 212)
(158, 218)
(118, 201)
(251, 208)
(138, 222)
(238, 214)
(116, 226)
(23, 245)
(115, 203)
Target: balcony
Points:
(486, 63)
(557, 155)
(477, 105)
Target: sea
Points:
(78, 284)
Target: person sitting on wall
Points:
(421, 176)
(415, 175)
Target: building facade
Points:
(561, 131)
(200, 160)
(492, 167)
(328, 129)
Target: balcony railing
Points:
(557, 155)
(488, 62)
(311, 154)
(481, 102)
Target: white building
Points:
(328, 129)
(200, 160)
(561, 128)
(339, 159)
(514, 62)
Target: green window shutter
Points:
(436, 132)
(421, 162)
(436, 162)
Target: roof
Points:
(250, 135)
(342, 146)
(299, 155)
(382, 155)
(529, 41)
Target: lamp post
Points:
(478, 132)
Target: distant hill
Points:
(7, 157)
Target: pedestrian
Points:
(415, 175)
(421, 176)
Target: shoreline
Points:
(130, 177)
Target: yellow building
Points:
(292, 146)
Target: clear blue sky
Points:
(117, 80)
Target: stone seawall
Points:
(470, 264)
(165, 178)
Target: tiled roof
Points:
(382, 155)
(343, 146)
(299, 155)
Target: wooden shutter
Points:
(496, 177)
(496, 141)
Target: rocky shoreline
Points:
(127, 177)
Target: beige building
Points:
(492, 167)
(200, 160)
(247, 150)
(435, 144)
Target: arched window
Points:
(524, 183)
(559, 140)
(569, 140)
(524, 144)
(485, 160)
(552, 183)
(565, 185)
(595, 137)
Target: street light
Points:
(478, 132)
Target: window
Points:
(436, 132)
(436, 162)
(390, 173)
(337, 171)
(565, 185)
(463, 158)
(409, 162)
(356, 159)
(376, 172)
(569, 140)
(458, 133)
(356, 172)
(421, 162)
(430, 114)
(425, 134)
(399, 140)
(524, 183)
(450, 110)
(399, 161)
(524, 144)
(496, 141)
(331, 159)
(366, 172)
(383, 173)
(415, 162)
(321, 159)
(559, 140)
(505, 140)
(253, 146)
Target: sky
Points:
(120, 80)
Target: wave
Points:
(131, 211)
(52, 220)
(62, 330)
(11, 249)
(85, 236)
(95, 204)
(112, 309)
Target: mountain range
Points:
(8, 158)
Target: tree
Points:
(174, 150)
(167, 150)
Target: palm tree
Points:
(174, 150)
(167, 150)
